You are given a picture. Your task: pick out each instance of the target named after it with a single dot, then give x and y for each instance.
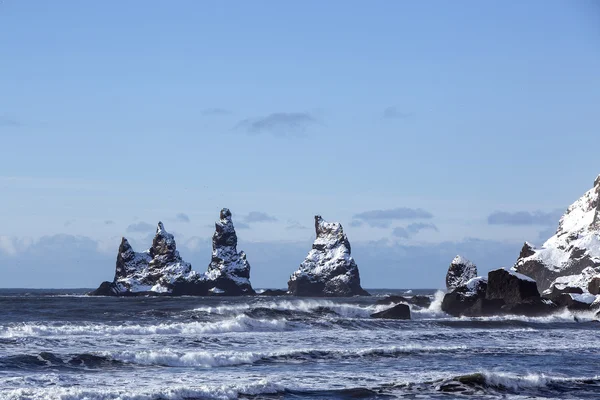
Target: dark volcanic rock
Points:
(574, 246)
(329, 269)
(509, 286)
(531, 307)
(460, 272)
(399, 311)
(421, 301)
(229, 271)
(594, 285)
(457, 302)
(556, 293)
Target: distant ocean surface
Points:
(60, 344)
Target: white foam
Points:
(240, 323)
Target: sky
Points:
(426, 128)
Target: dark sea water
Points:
(64, 345)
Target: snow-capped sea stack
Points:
(158, 270)
(574, 247)
(329, 269)
(460, 272)
(229, 271)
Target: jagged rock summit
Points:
(329, 269)
(228, 271)
(460, 272)
(574, 247)
(160, 270)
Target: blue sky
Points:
(118, 114)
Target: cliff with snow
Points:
(329, 269)
(574, 247)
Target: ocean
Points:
(61, 344)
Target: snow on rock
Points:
(574, 247)
(329, 269)
(158, 270)
(460, 271)
(229, 271)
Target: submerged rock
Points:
(229, 271)
(399, 311)
(329, 269)
(460, 272)
(574, 247)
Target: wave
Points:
(240, 323)
(510, 383)
(307, 306)
(262, 387)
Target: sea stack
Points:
(158, 270)
(574, 247)
(328, 269)
(460, 272)
(229, 271)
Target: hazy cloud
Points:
(258, 216)
(295, 225)
(241, 225)
(215, 111)
(394, 113)
(401, 232)
(6, 121)
(420, 226)
(546, 234)
(69, 222)
(383, 218)
(142, 227)
(181, 217)
(413, 229)
(280, 124)
(521, 218)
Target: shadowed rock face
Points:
(329, 269)
(574, 247)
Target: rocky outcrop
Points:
(510, 287)
(460, 272)
(399, 311)
(229, 271)
(574, 247)
(329, 269)
(503, 292)
(158, 270)
(460, 300)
